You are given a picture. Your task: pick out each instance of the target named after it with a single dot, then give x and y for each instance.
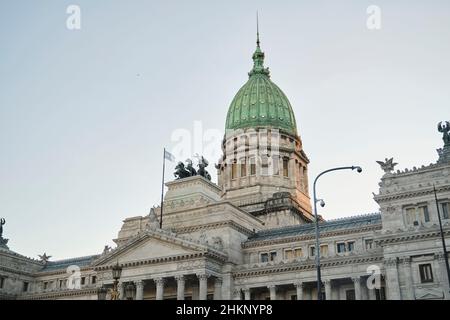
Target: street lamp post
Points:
(322, 203)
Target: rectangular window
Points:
(298, 253)
(324, 250)
(350, 246)
(264, 257)
(285, 167)
(273, 256)
(243, 169)
(2, 282)
(445, 209)
(369, 244)
(45, 285)
(350, 294)
(25, 286)
(234, 170)
(424, 214)
(426, 274)
(276, 165)
(340, 247)
(252, 166)
(312, 251)
(61, 283)
(94, 279)
(288, 254)
(264, 165)
(410, 215)
(83, 280)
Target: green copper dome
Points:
(260, 102)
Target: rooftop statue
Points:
(184, 171)
(444, 127)
(2, 222)
(388, 165)
(44, 258)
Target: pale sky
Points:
(85, 114)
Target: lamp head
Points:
(358, 169)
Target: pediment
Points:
(152, 245)
(429, 293)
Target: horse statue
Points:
(202, 164)
(190, 168)
(180, 171)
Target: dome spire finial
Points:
(258, 55)
(257, 29)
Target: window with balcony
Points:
(25, 287)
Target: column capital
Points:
(246, 289)
(202, 276)
(159, 281)
(271, 286)
(390, 262)
(298, 284)
(179, 277)
(218, 280)
(356, 279)
(237, 292)
(328, 281)
(406, 260)
(439, 256)
(139, 283)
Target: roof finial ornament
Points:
(257, 29)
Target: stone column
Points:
(159, 288)
(120, 288)
(328, 289)
(139, 289)
(218, 289)
(408, 278)
(357, 283)
(246, 293)
(391, 279)
(371, 294)
(203, 286)
(180, 286)
(237, 294)
(273, 292)
(299, 287)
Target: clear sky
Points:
(85, 114)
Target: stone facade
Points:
(252, 236)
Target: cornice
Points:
(403, 236)
(260, 243)
(305, 265)
(215, 225)
(409, 194)
(59, 294)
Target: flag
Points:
(169, 156)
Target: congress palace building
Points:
(251, 236)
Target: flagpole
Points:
(162, 188)
(442, 236)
